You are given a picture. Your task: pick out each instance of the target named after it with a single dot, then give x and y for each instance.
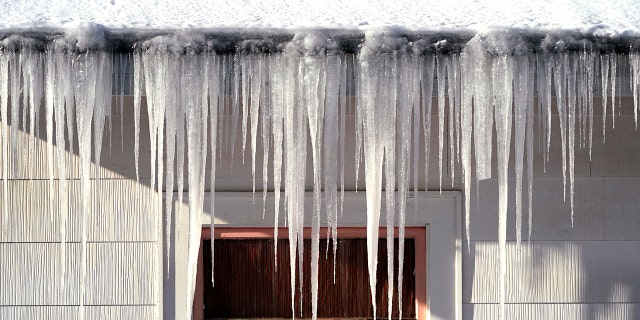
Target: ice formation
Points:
(296, 96)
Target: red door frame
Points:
(419, 234)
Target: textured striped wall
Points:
(555, 272)
(122, 241)
(602, 311)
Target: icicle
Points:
(5, 57)
(14, 120)
(359, 117)
(103, 103)
(589, 89)
(604, 71)
(313, 94)
(122, 75)
(235, 108)
(50, 101)
(571, 95)
(55, 96)
(223, 129)
(453, 92)
(441, 69)
(295, 128)
(330, 150)
(196, 109)
(24, 79)
(214, 96)
(559, 75)
(49, 109)
(265, 106)
(521, 90)
(180, 143)
(468, 59)
(203, 65)
(85, 93)
(4, 99)
(372, 118)
(137, 97)
(33, 83)
(170, 117)
(246, 73)
(502, 84)
(277, 72)
(155, 70)
(546, 71)
(106, 97)
(529, 141)
(478, 65)
(580, 98)
(387, 93)
(634, 60)
(415, 123)
(407, 103)
(343, 120)
(254, 110)
(426, 91)
(457, 98)
(483, 109)
(613, 63)
(299, 95)
(154, 66)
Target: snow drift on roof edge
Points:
(497, 41)
(594, 17)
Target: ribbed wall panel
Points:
(555, 272)
(117, 274)
(117, 159)
(628, 311)
(122, 212)
(121, 274)
(39, 312)
(67, 312)
(121, 312)
(31, 274)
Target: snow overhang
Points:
(266, 26)
(499, 40)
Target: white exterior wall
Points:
(588, 271)
(585, 271)
(121, 263)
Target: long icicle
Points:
(330, 149)
(502, 81)
(388, 95)
(4, 98)
(521, 90)
(85, 80)
(314, 76)
(441, 71)
(214, 98)
(372, 118)
(407, 104)
(277, 100)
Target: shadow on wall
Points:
(592, 280)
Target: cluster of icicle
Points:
(302, 95)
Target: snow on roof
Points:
(599, 18)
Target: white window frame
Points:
(439, 212)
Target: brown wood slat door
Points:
(248, 286)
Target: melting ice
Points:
(295, 102)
